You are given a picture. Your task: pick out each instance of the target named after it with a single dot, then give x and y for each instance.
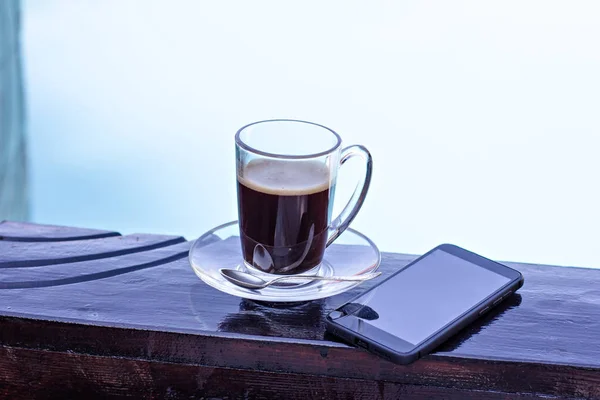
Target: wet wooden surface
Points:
(120, 316)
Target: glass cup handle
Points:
(342, 221)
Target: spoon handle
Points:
(355, 278)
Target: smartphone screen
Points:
(421, 300)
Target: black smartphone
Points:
(419, 307)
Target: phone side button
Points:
(484, 311)
(498, 301)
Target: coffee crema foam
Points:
(285, 177)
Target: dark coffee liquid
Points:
(283, 224)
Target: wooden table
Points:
(88, 313)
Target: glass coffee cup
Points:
(286, 177)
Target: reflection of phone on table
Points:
(419, 307)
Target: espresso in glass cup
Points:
(286, 176)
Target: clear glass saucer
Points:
(351, 254)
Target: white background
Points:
(483, 118)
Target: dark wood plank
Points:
(27, 232)
(555, 320)
(21, 254)
(150, 306)
(77, 272)
(83, 376)
(172, 309)
(282, 355)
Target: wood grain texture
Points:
(150, 307)
(21, 254)
(84, 376)
(77, 272)
(299, 357)
(27, 232)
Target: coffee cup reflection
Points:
(300, 320)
